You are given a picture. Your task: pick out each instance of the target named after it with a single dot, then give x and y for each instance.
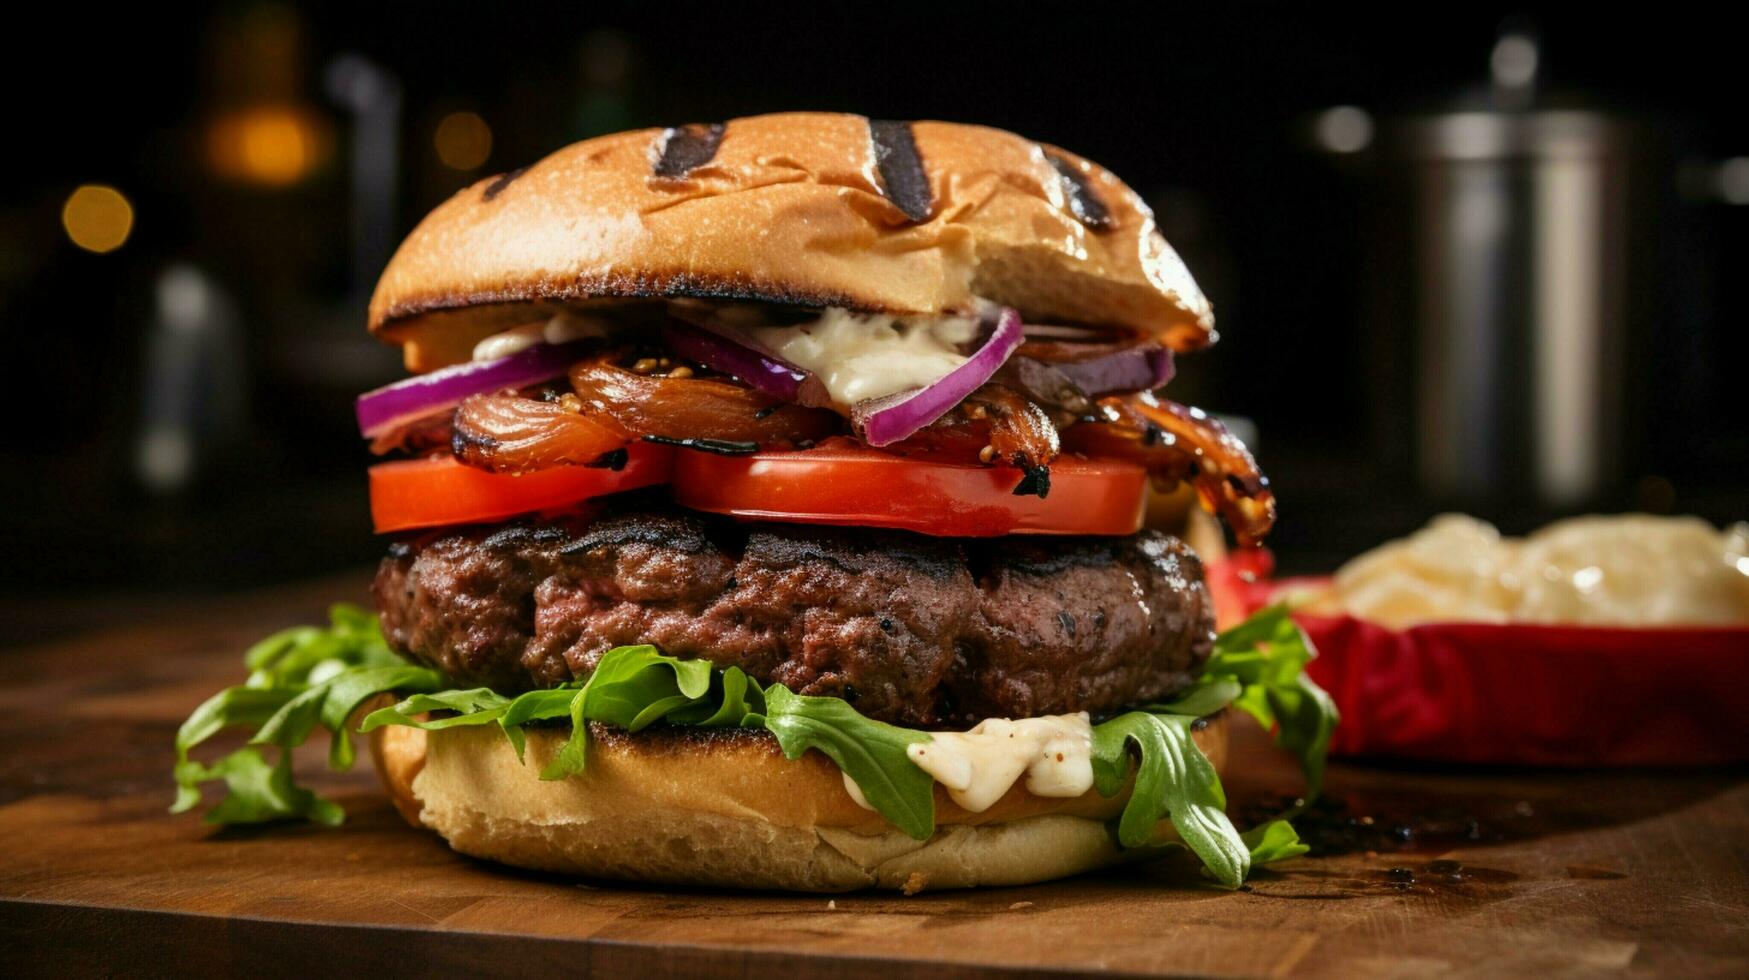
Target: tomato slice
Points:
(438, 490)
(870, 488)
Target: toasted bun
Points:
(817, 209)
(725, 808)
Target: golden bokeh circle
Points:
(463, 140)
(97, 217)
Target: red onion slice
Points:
(718, 351)
(883, 421)
(393, 406)
(1135, 369)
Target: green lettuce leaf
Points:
(258, 791)
(476, 706)
(299, 678)
(307, 677)
(1204, 699)
(1266, 656)
(633, 688)
(1174, 780)
(873, 753)
(1273, 841)
(1259, 668)
(630, 688)
(232, 706)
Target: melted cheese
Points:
(858, 356)
(562, 328)
(978, 767)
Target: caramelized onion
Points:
(694, 408)
(1178, 443)
(995, 424)
(509, 433)
(1020, 431)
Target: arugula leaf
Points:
(631, 688)
(293, 656)
(1173, 779)
(474, 706)
(259, 791)
(1267, 655)
(299, 678)
(734, 696)
(232, 706)
(535, 706)
(306, 677)
(477, 706)
(1203, 699)
(873, 753)
(1273, 841)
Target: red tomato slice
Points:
(869, 488)
(436, 491)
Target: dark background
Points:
(1206, 111)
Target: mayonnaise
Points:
(978, 767)
(562, 328)
(860, 355)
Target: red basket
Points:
(1521, 694)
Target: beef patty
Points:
(913, 630)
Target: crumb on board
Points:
(916, 883)
(1017, 906)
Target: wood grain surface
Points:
(1505, 872)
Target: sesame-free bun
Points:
(725, 808)
(815, 209)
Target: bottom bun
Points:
(723, 807)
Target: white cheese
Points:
(978, 767)
(512, 341)
(562, 328)
(858, 356)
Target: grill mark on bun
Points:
(902, 176)
(686, 148)
(1084, 201)
(500, 182)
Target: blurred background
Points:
(1463, 256)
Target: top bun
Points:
(815, 209)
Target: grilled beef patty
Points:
(913, 630)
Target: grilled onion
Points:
(995, 424)
(1179, 443)
(510, 433)
(694, 408)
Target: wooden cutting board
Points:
(1511, 872)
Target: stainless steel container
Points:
(1518, 257)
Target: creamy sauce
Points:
(978, 767)
(858, 356)
(562, 328)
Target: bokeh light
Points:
(97, 218)
(1734, 180)
(275, 145)
(463, 141)
(1343, 129)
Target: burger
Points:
(766, 509)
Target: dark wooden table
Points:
(1509, 872)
